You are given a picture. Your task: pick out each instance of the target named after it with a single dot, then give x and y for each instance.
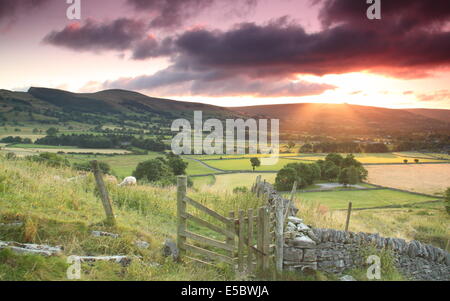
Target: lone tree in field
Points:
(255, 163)
(416, 160)
(405, 161)
(52, 132)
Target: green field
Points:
(244, 164)
(35, 146)
(227, 182)
(361, 198)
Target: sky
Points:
(233, 52)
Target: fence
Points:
(253, 238)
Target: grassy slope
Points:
(58, 212)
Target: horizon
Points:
(254, 105)
(247, 53)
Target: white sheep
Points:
(128, 181)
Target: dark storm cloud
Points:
(119, 34)
(173, 13)
(151, 47)
(11, 8)
(398, 15)
(410, 40)
(216, 83)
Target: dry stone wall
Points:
(335, 251)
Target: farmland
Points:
(430, 179)
(362, 198)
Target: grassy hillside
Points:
(59, 212)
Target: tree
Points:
(349, 176)
(51, 159)
(291, 144)
(330, 171)
(405, 161)
(306, 148)
(416, 160)
(335, 158)
(255, 163)
(285, 178)
(153, 170)
(177, 164)
(52, 132)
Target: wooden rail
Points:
(258, 233)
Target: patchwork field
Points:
(26, 151)
(387, 158)
(361, 198)
(430, 179)
(227, 182)
(244, 164)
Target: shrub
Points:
(87, 166)
(153, 170)
(50, 159)
(242, 189)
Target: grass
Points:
(361, 198)
(382, 158)
(430, 179)
(57, 212)
(244, 164)
(35, 146)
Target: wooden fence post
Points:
(231, 228)
(250, 241)
(349, 212)
(181, 210)
(291, 202)
(266, 239)
(260, 238)
(241, 242)
(106, 201)
(279, 237)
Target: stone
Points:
(293, 254)
(302, 227)
(170, 249)
(304, 267)
(12, 225)
(347, 278)
(100, 233)
(295, 220)
(142, 244)
(309, 255)
(123, 260)
(303, 242)
(20, 248)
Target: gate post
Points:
(181, 210)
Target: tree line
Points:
(346, 170)
(103, 141)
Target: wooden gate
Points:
(256, 231)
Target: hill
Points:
(42, 105)
(443, 115)
(345, 118)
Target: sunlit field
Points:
(362, 198)
(431, 179)
(227, 182)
